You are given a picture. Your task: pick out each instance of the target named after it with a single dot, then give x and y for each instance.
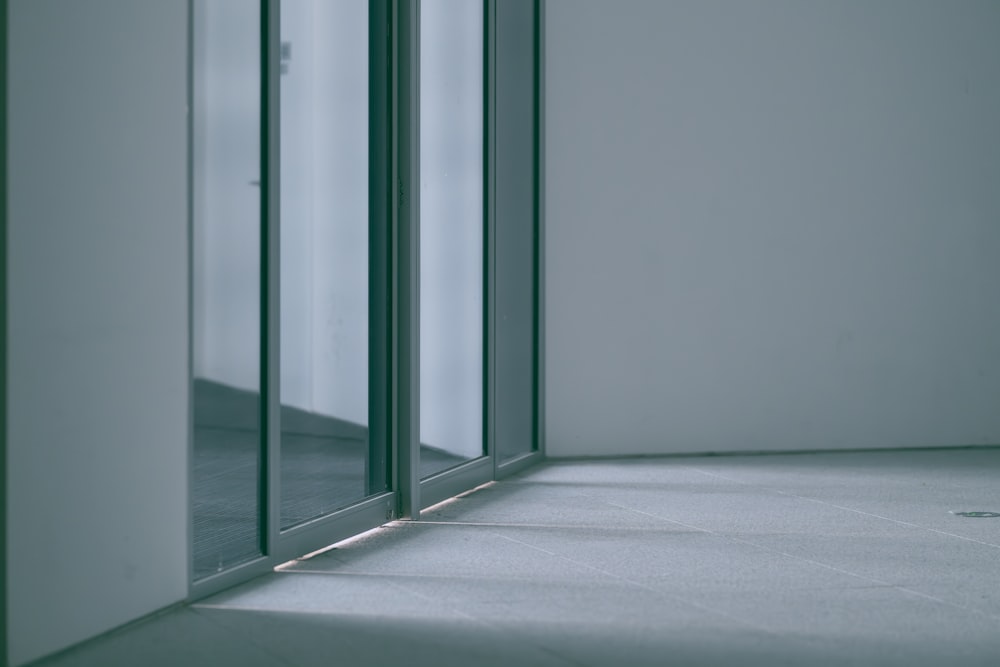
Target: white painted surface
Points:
(97, 441)
(772, 225)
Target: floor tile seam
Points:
(431, 600)
(415, 575)
(486, 623)
(354, 614)
(383, 576)
(833, 568)
(242, 637)
(298, 611)
(656, 591)
(848, 509)
(755, 545)
(684, 601)
(556, 526)
(106, 639)
(879, 583)
(897, 521)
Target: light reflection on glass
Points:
(226, 284)
(451, 233)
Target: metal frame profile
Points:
(3, 334)
(510, 265)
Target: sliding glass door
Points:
(345, 280)
(290, 308)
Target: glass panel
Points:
(324, 258)
(226, 284)
(451, 233)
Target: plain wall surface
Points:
(98, 338)
(772, 224)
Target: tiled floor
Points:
(824, 559)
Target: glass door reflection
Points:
(451, 233)
(326, 461)
(226, 285)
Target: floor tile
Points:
(180, 638)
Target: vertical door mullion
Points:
(392, 220)
(539, 167)
(191, 101)
(3, 335)
(406, 205)
(379, 420)
(489, 236)
(271, 258)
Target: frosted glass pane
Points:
(451, 232)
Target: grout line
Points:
(352, 613)
(611, 575)
(409, 575)
(764, 547)
(558, 526)
(657, 591)
(238, 635)
(483, 622)
(385, 576)
(493, 626)
(758, 453)
(846, 509)
(427, 598)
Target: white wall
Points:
(772, 224)
(97, 439)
